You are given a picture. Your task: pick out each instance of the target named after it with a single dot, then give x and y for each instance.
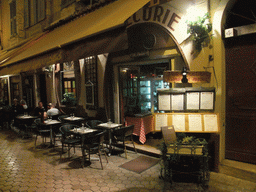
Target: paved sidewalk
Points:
(24, 168)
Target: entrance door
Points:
(241, 99)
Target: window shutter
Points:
(34, 9)
(26, 13)
(13, 17)
(41, 10)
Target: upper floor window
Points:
(34, 12)
(13, 17)
(65, 3)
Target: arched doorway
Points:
(151, 51)
(240, 84)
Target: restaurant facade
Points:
(120, 60)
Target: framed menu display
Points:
(188, 122)
(186, 99)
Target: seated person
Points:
(16, 108)
(39, 110)
(52, 111)
(24, 105)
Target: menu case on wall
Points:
(188, 122)
(186, 99)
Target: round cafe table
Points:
(51, 125)
(24, 122)
(74, 120)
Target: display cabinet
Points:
(148, 93)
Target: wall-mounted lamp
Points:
(184, 75)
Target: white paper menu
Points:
(178, 122)
(195, 122)
(192, 100)
(177, 102)
(164, 102)
(206, 100)
(211, 122)
(161, 121)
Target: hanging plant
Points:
(199, 30)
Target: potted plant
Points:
(200, 30)
(69, 99)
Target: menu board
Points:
(186, 99)
(164, 102)
(192, 100)
(188, 122)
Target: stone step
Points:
(239, 170)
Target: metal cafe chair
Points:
(68, 139)
(60, 118)
(123, 135)
(94, 145)
(38, 130)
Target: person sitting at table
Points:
(52, 111)
(24, 105)
(40, 110)
(16, 109)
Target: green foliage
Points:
(199, 30)
(69, 99)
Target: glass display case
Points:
(145, 95)
(138, 90)
(148, 93)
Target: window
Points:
(13, 17)
(91, 82)
(68, 84)
(34, 12)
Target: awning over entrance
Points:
(99, 21)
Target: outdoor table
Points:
(82, 132)
(50, 124)
(109, 126)
(26, 120)
(74, 120)
(142, 126)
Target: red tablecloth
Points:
(142, 126)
